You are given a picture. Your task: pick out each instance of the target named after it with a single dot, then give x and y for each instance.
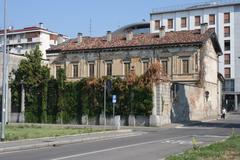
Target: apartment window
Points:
(91, 70)
(165, 67)
(227, 72)
(211, 19)
(226, 58)
(183, 22)
(185, 66)
(109, 69)
(197, 20)
(228, 85)
(157, 24)
(170, 23)
(226, 17)
(29, 39)
(75, 70)
(227, 45)
(126, 68)
(226, 31)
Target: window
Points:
(170, 23)
(145, 66)
(75, 70)
(29, 40)
(183, 22)
(185, 66)
(91, 70)
(109, 69)
(227, 72)
(197, 20)
(226, 17)
(228, 85)
(57, 69)
(211, 19)
(226, 31)
(126, 68)
(157, 24)
(227, 45)
(165, 67)
(226, 58)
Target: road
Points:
(148, 143)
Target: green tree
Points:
(34, 76)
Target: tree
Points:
(34, 76)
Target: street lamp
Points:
(5, 76)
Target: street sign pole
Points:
(5, 76)
(114, 100)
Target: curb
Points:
(64, 142)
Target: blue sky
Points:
(71, 16)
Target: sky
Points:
(69, 17)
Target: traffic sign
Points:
(114, 98)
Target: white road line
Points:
(84, 142)
(116, 148)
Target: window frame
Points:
(225, 47)
(170, 23)
(229, 74)
(75, 73)
(197, 23)
(183, 19)
(91, 69)
(227, 34)
(228, 15)
(227, 61)
(212, 22)
(157, 25)
(187, 70)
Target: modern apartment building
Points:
(21, 40)
(224, 17)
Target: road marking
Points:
(116, 148)
(83, 142)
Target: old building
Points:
(222, 16)
(190, 58)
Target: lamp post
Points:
(5, 76)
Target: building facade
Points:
(20, 41)
(189, 58)
(224, 18)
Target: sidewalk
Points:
(9, 146)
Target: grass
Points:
(17, 132)
(226, 150)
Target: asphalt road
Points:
(151, 144)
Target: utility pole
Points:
(5, 76)
(105, 95)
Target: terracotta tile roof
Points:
(95, 43)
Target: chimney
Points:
(204, 28)
(162, 32)
(109, 36)
(40, 25)
(129, 36)
(79, 37)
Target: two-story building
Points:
(190, 58)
